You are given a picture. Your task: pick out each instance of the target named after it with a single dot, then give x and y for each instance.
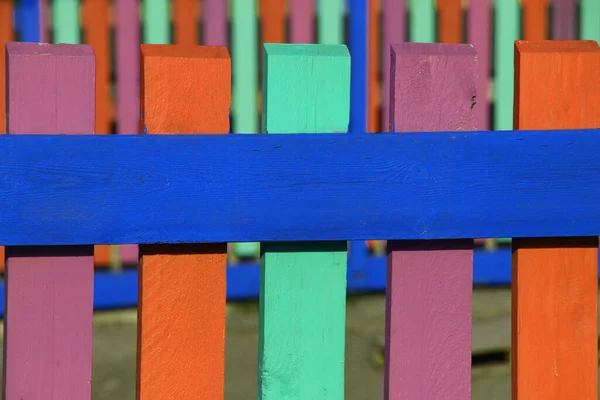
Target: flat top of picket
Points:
(311, 50)
(44, 49)
(431, 49)
(175, 51)
(558, 46)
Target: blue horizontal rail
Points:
(107, 189)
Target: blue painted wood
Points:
(359, 34)
(218, 188)
(27, 20)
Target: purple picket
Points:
(479, 35)
(302, 14)
(394, 13)
(563, 19)
(215, 22)
(128, 66)
(429, 283)
(49, 290)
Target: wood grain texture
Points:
(479, 34)
(393, 23)
(563, 19)
(555, 303)
(303, 285)
(302, 17)
(185, 21)
(182, 296)
(449, 21)
(428, 293)
(215, 22)
(421, 186)
(49, 290)
(535, 19)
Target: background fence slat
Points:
(303, 285)
(215, 22)
(185, 21)
(535, 19)
(479, 35)
(507, 22)
(302, 17)
(359, 88)
(374, 39)
(394, 25)
(563, 19)
(156, 19)
(49, 290)
(272, 21)
(244, 43)
(590, 15)
(330, 26)
(429, 284)
(27, 20)
(449, 21)
(65, 21)
(181, 317)
(555, 280)
(421, 21)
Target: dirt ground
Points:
(115, 347)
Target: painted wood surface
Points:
(428, 294)
(302, 17)
(27, 20)
(65, 21)
(156, 17)
(590, 15)
(449, 21)
(244, 44)
(181, 312)
(49, 290)
(507, 20)
(185, 21)
(422, 21)
(422, 186)
(393, 23)
(272, 21)
(374, 39)
(6, 35)
(479, 34)
(215, 22)
(330, 20)
(359, 88)
(535, 19)
(555, 281)
(303, 285)
(564, 14)
(127, 33)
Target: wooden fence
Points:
(303, 190)
(116, 28)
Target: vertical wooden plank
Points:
(245, 66)
(330, 21)
(555, 280)
(6, 35)
(429, 284)
(359, 89)
(156, 17)
(272, 21)
(373, 101)
(185, 19)
(590, 15)
(128, 65)
(49, 290)
(479, 35)
(507, 22)
(422, 21)
(449, 22)
(535, 19)
(27, 20)
(302, 14)
(65, 21)
(44, 21)
(181, 317)
(215, 22)
(563, 19)
(303, 285)
(394, 23)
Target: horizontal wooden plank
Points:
(101, 189)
